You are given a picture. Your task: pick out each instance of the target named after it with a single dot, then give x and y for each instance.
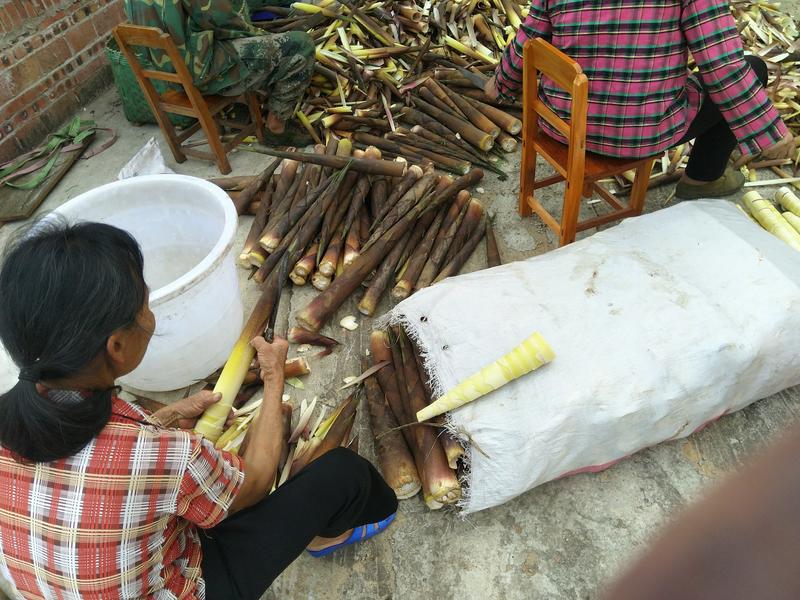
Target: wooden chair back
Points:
(573, 164)
(190, 102)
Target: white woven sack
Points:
(659, 325)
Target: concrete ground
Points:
(563, 540)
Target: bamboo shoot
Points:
(528, 356)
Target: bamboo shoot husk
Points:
(529, 355)
(395, 459)
(298, 335)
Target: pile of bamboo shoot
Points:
(369, 222)
(411, 75)
(411, 455)
(783, 225)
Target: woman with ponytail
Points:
(101, 499)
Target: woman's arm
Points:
(265, 435)
(711, 34)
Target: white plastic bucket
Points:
(186, 228)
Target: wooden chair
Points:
(580, 169)
(190, 102)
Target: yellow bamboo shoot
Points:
(793, 220)
(788, 200)
(771, 220)
(228, 384)
(531, 354)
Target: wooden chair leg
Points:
(255, 114)
(570, 212)
(639, 188)
(214, 142)
(527, 178)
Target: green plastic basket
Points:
(134, 104)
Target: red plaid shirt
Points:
(119, 519)
(642, 98)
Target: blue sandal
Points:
(360, 533)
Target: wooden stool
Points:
(580, 169)
(190, 102)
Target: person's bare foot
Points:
(275, 125)
(320, 543)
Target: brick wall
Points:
(52, 62)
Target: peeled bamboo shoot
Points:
(789, 200)
(771, 220)
(526, 357)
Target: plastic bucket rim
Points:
(215, 256)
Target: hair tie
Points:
(28, 374)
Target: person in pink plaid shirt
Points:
(642, 97)
(103, 500)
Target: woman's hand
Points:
(185, 412)
(783, 149)
(271, 358)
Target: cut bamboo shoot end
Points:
(349, 323)
(789, 200)
(793, 220)
(771, 220)
(526, 357)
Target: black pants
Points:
(714, 139)
(247, 551)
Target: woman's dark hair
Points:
(64, 289)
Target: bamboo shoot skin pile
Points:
(528, 356)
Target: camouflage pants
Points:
(281, 64)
